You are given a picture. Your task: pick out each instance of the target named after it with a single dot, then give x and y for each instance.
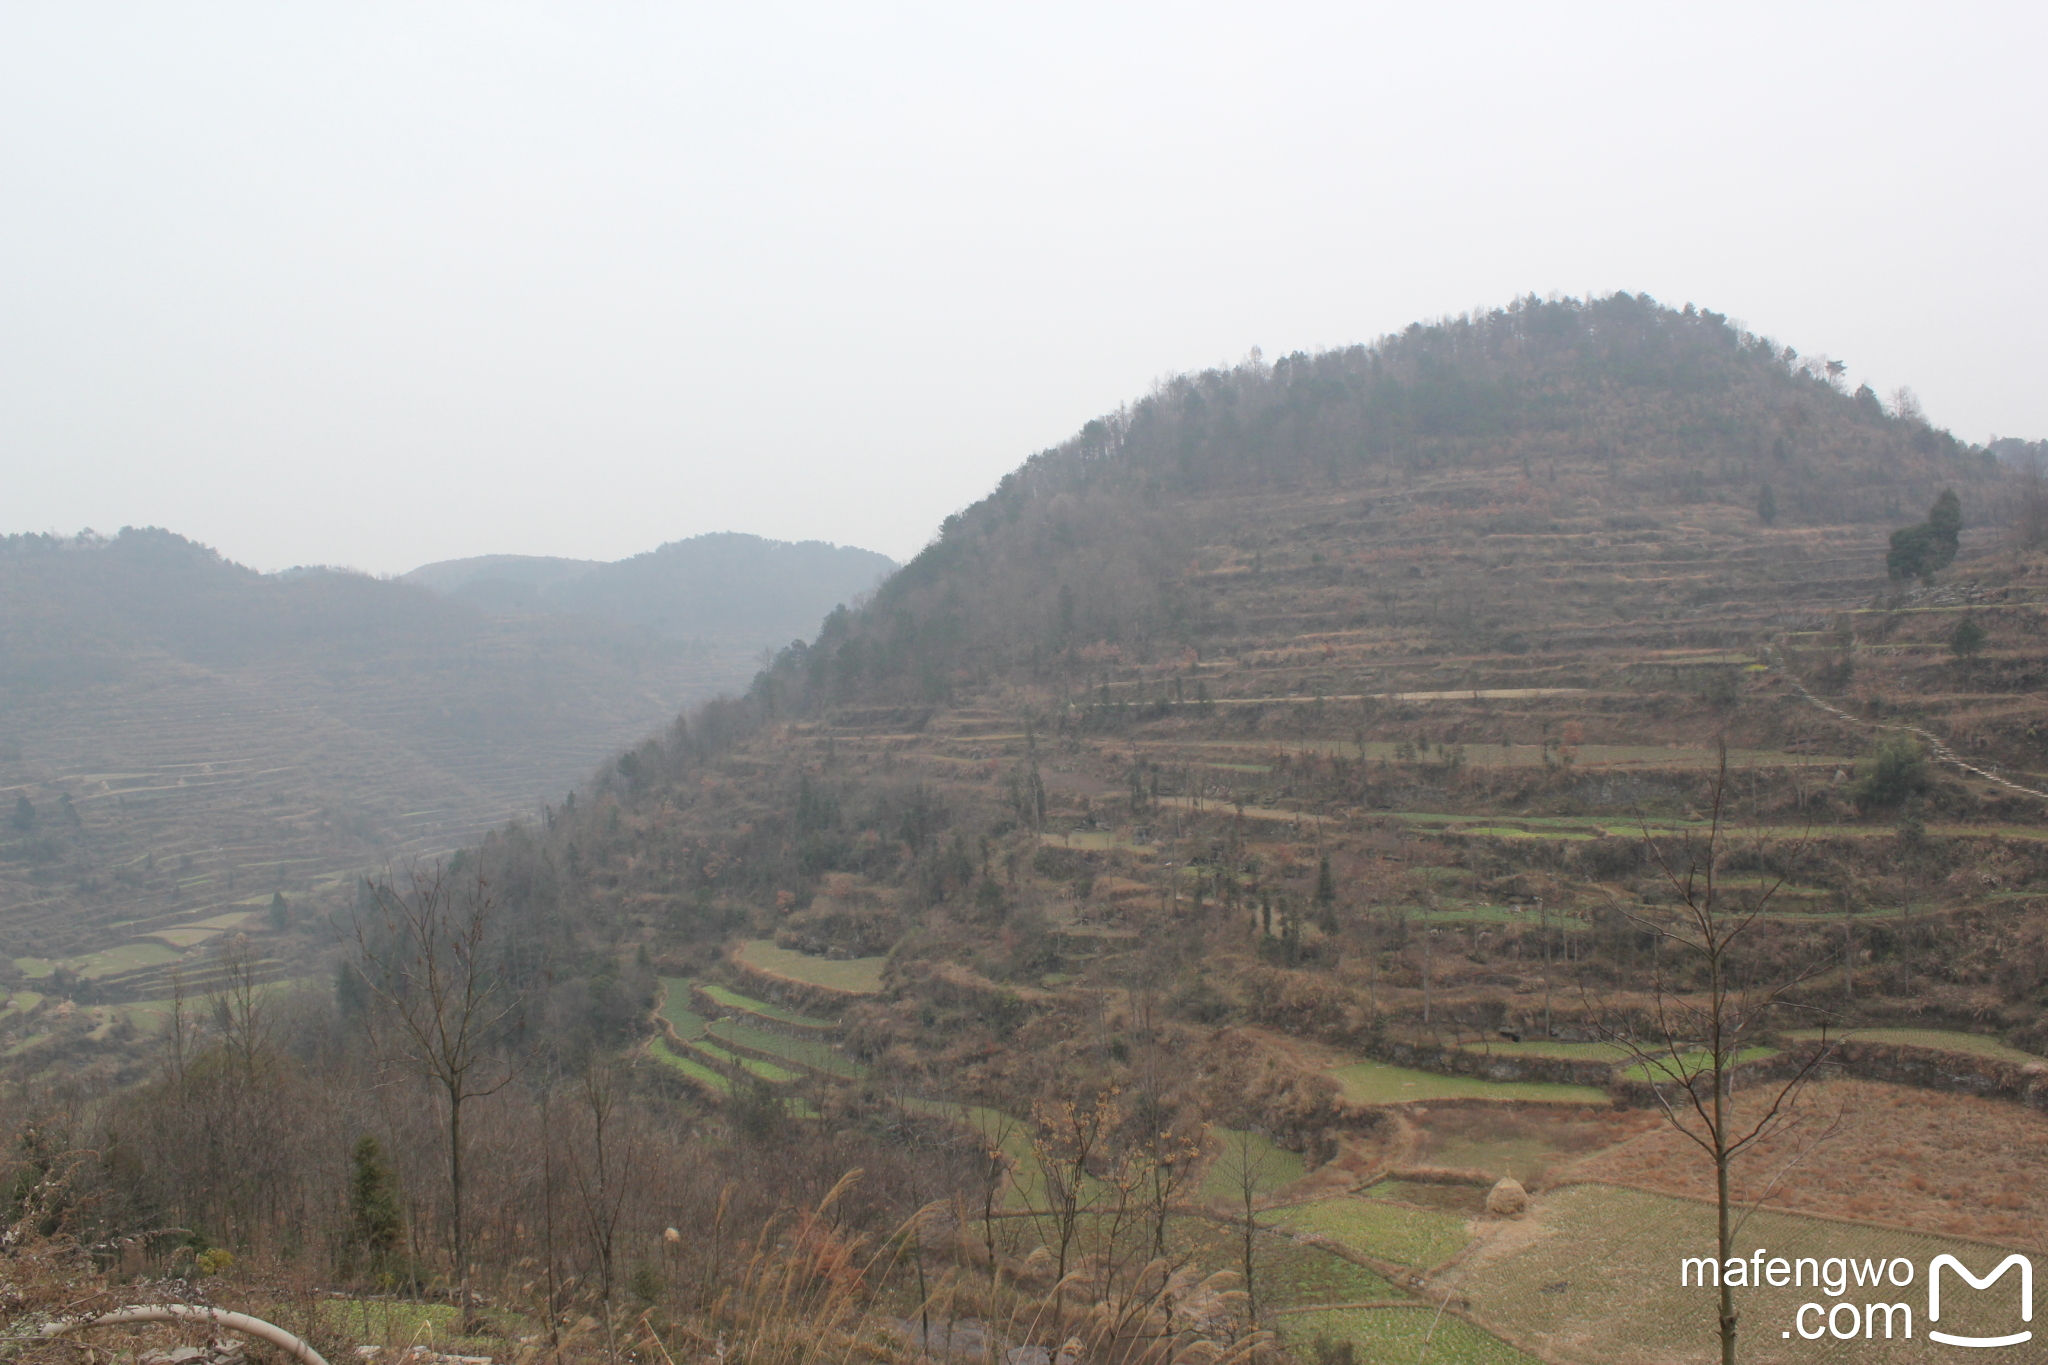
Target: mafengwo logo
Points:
(1873, 1299)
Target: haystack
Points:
(1507, 1198)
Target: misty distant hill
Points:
(181, 736)
(2026, 455)
(727, 587)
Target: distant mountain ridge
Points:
(182, 736)
(726, 586)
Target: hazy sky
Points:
(381, 284)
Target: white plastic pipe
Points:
(188, 1312)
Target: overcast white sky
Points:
(378, 284)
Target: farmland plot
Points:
(1286, 1273)
(1936, 1162)
(1384, 1083)
(1593, 1274)
(1383, 1230)
(785, 1056)
(805, 1053)
(1524, 1143)
(732, 1000)
(1933, 1039)
(851, 976)
(710, 1051)
(1404, 1333)
(690, 1067)
(1271, 1166)
(675, 1008)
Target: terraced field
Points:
(1661, 1069)
(1418, 1332)
(1594, 1276)
(1528, 1143)
(1568, 827)
(1234, 1154)
(727, 999)
(1592, 1273)
(1550, 1048)
(728, 1058)
(1305, 1291)
(1482, 755)
(1934, 1040)
(1380, 1228)
(804, 1053)
(688, 1065)
(765, 1040)
(847, 976)
(1372, 1082)
(1312, 1297)
(1287, 1273)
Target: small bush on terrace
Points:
(1895, 770)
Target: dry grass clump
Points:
(50, 1279)
(810, 1292)
(1890, 1154)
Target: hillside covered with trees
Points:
(1238, 891)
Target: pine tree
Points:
(376, 1225)
(1966, 639)
(1326, 898)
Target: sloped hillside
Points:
(1235, 843)
(1450, 616)
(1384, 484)
(182, 738)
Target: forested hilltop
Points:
(1230, 881)
(1507, 431)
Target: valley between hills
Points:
(1235, 894)
(195, 743)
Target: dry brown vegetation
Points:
(1300, 713)
(1916, 1159)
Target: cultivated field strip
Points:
(1601, 1283)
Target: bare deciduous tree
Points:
(1245, 1166)
(1696, 1037)
(1068, 1138)
(995, 1128)
(423, 953)
(241, 1008)
(600, 1171)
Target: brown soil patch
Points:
(1304, 1053)
(1911, 1158)
(1528, 1143)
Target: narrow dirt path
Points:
(1934, 743)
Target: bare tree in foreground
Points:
(1245, 1166)
(422, 953)
(1697, 1037)
(602, 1174)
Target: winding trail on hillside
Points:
(1934, 742)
